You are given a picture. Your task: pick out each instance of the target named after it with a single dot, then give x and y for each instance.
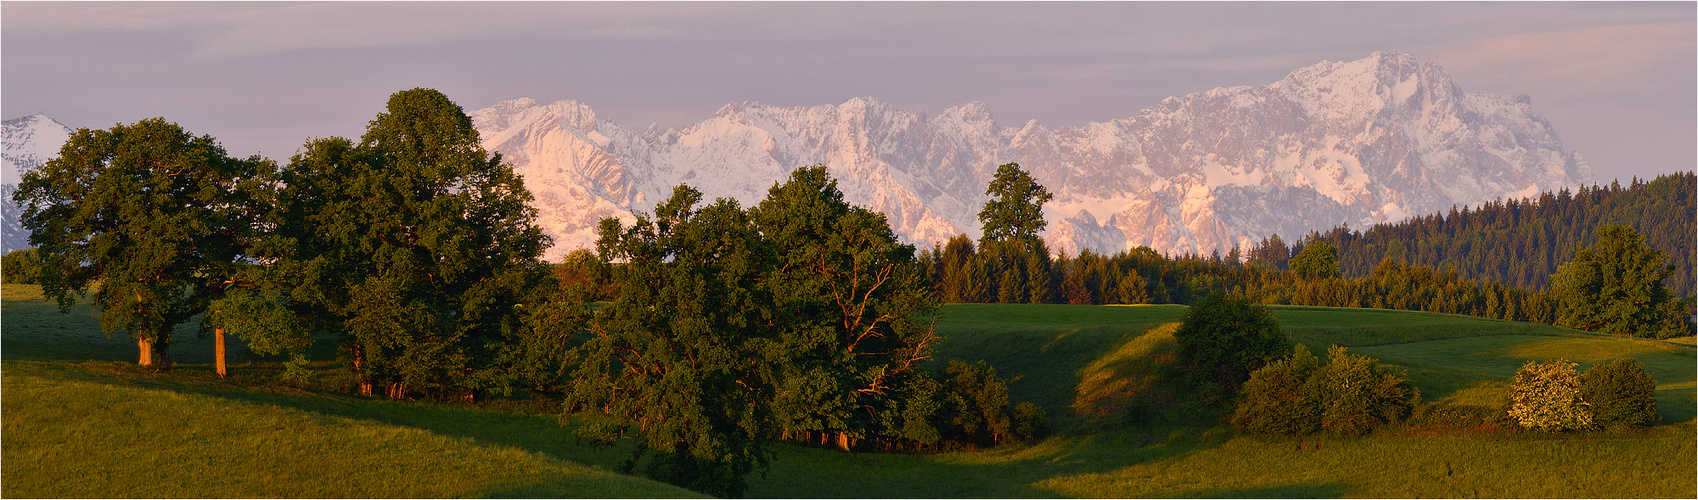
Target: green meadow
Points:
(81, 420)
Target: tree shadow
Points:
(1327, 490)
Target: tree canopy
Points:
(416, 244)
(678, 362)
(1316, 260)
(1616, 286)
(1015, 210)
(150, 212)
(851, 299)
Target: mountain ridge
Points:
(1358, 142)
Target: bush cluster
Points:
(1351, 394)
(977, 409)
(1223, 339)
(21, 266)
(1552, 396)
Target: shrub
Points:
(1547, 396)
(1276, 400)
(1355, 393)
(1351, 394)
(1030, 422)
(977, 403)
(976, 410)
(21, 266)
(1620, 394)
(1222, 339)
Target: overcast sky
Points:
(1617, 80)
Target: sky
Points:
(1617, 80)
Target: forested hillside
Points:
(1521, 242)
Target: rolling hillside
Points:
(81, 420)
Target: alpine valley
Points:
(1358, 142)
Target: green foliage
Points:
(1616, 286)
(262, 317)
(1351, 394)
(1222, 339)
(1015, 210)
(416, 244)
(1355, 393)
(1317, 260)
(21, 266)
(850, 305)
(1547, 397)
(1620, 394)
(678, 362)
(150, 212)
(977, 407)
(1521, 242)
(1278, 399)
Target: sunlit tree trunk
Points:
(218, 352)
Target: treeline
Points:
(723, 328)
(1520, 243)
(1623, 274)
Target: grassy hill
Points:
(81, 420)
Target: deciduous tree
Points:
(679, 362)
(1222, 339)
(1015, 210)
(852, 309)
(1616, 286)
(416, 244)
(150, 213)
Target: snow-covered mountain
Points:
(29, 141)
(1357, 142)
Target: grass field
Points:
(81, 420)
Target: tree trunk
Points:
(146, 348)
(843, 441)
(218, 352)
(359, 368)
(161, 356)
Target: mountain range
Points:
(1355, 142)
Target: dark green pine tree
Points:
(150, 213)
(1616, 286)
(679, 362)
(416, 244)
(851, 301)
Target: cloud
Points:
(222, 30)
(1578, 62)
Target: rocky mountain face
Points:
(29, 141)
(1356, 142)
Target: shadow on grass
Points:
(1329, 490)
(798, 471)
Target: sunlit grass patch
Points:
(82, 438)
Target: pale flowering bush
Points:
(1547, 396)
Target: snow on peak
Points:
(1358, 142)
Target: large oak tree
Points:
(151, 216)
(415, 244)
